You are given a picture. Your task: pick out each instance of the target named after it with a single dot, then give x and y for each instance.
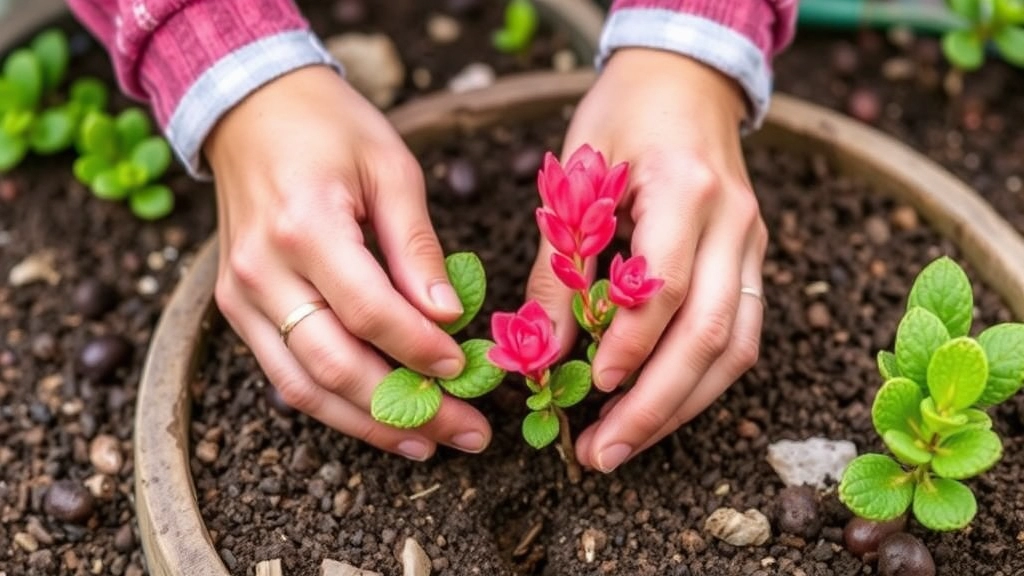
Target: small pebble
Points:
(797, 512)
(69, 501)
(592, 542)
(818, 315)
(899, 68)
(207, 452)
(903, 554)
(443, 29)
(101, 486)
(8, 190)
(877, 230)
(40, 413)
(750, 528)
(350, 12)
(564, 60)
(124, 539)
(38, 531)
(421, 78)
(105, 454)
(93, 298)
(342, 503)
(462, 178)
(862, 537)
(228, 557)
(748, 429)
(865, 105)
(845, 59)
(26, 541)
(101, 356)
(692, 542)
(905, 218)
(44, 346)
(474, 76)
(36, 267)
(526, 163)
(415, 561)
(305, 459)
(147, 286)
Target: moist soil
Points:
(284, 486)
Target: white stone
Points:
(811, 461)
(473, 77)
(372, 65)
(750, 528)
(36, 267)
(443, 29)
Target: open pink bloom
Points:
(630, 285)
(566, 271)
(524, 341)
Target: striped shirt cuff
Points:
(707, 41)
(229, 81)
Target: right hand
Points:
(300, 165)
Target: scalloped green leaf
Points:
(51, 49)
(1010, 42)
(967, 454)
(88, 167)
(876, 487)
(539, 401)
(466, 273)
(405, 399)
(918, 336)
(570, 383)
(957, 374)
(1004, 349)
(540, 428)
(12, 151)
(964, 49)
(107, 186)
(897, 406)
(977, 420)
(943, 504)
(943, 289)
(153, 155)
(152, 202)
(52, 132)
(98, 135)
(131, 176)
(906, 448)
(941, 424)
(25, 74)
(132, 126)
(479, 376)
(887, 365)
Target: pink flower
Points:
(567, 272)
(524, 341)
(630, 285)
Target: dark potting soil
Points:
(277, 485)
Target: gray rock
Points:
(473, 77)
(811, 461)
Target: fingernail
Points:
(447, 368)
(469, 442)
(610, 458)
(413, 450)
(445, 298)
(610, 378)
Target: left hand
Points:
(696, 220)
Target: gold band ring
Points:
(298, 315)
(751, 291)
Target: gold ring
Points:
(298, 315)
(751, 291)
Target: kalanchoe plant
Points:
(930, 411)
(121, 159)
(519, 27)
(407, 399)
(1000, 22)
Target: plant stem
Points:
(572, 467)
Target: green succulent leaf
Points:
(97, 135)
(17, 123)
(1010, 42)
(1008, 11)
(8, 96)
(133, 126)
(466, 273)
(53, 131)
(12, 151)
(479, 376)
(906, 448)
(943, 504)
(540, 428)
(918, 336)
(153, 155)
(591, 351)
(876, 487)
(887, 365)
(964, 49)
(107, 186)
(131, 176)
(977, 420)
(520, 27)
(23, 71)
(941, 424)
(405, 399)
(897, 406)
(969, 10)
(539, 401)
(90, 94)
(943, 289)
(51, 49)
(152, 202)
(88, 167)
(1004, 349)
(967, 454)
(599, 297)
(957, 374)
(570, 383)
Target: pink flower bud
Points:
(566, 271)
(524, 341)
(630, 285)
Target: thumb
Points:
(556, 299)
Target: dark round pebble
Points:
(276, 403)
(7, 358)
(862, 536)
(305, 459)
(69, 501)
(40, 413)
(93, 298)
(462, 178)
(865, 105)
(101, 356)
(350, 12)
(44, 346)
(845, 59)
(124, 540)
(526, 163)
(797, 512)
(903, 554)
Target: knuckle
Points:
(745, 351)
(714, 334)
(297, 394)
(245, 265)
(746, 213)
(629, 344)
(290, 228)
(363, 319)
(420, 242)
(647, 419)
(675, 287)
(226, 298)
(331, 368)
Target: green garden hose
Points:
(921, 15)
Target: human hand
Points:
(695, 218)
(300, 166)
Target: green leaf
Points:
(152, 202)
(1010, 42)
(51, 49)
(540, 400)
(133, 126)
(918, 336)
(887, 365)
(977, 420)
(1008, 11)
(967, 454)
(131, 176)
(520, 27)
(466, 273)
(89, 93)
(599, 297)
(107, 186)
(88, 167)
(897, 407)
(153, 155)
(875, 487)
(577, 311)
(540, 428)
(969, 10)
(943, 289)
(17, 123)
(23, 71)
(1004, 349)
(8, 96)
(943, 504)
(957, 374)
(97, 135)
(906, 448)
(591, 351)
(570, 383)
(12, 151)
(53, 131)
(964, 49)
(479, 376)
(405, 399)
(941, 424)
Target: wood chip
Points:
(335, 568)
(269, 568)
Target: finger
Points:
(556, 299)
(415, 259)
(585, 438)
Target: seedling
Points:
(519, 28)
(931, 410)
(407, 399)
(1000, 22)
(29, 79)
(121, 159)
